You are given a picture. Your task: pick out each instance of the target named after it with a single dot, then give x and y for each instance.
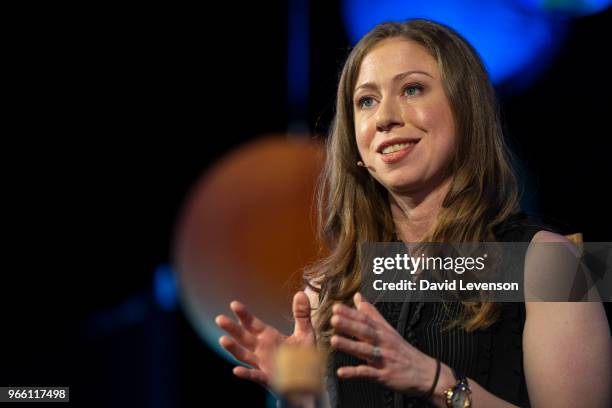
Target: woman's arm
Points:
(567, 355)
(567, 350)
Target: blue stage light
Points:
(514, 43)
(165, 287)
(569, 7)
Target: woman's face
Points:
(403, 121)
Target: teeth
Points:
(396, 147)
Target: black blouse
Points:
(493, 357)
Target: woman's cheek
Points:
(426, 117)
(364, 137)
(436, 116)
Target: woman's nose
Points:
(388, 117)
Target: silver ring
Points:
(376, 352)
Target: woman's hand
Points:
(391, 360)
(254, 342)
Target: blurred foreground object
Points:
(298, 377)
(246, 232)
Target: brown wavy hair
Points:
(354, 208)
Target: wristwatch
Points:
(458, 396)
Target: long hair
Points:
(353, 207)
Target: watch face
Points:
(460, 399)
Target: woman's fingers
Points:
(238, 332)
(360, 371)
(251, 374)
(357, 348)
(301, 314)
(239, 352)
(368, 309)
(351, 327)
(350, 313)
(364, 322)
(247, 320)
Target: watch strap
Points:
(460, 377)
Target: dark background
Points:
(115, 112)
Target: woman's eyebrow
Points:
(398, 77)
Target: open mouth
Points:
(398, 146)
(397, 151)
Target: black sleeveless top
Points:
(493, 357)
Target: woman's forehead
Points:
(394, 56)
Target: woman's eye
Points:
(412, 90)
(362, 102)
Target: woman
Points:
(416, 153)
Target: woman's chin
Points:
(401, 185)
